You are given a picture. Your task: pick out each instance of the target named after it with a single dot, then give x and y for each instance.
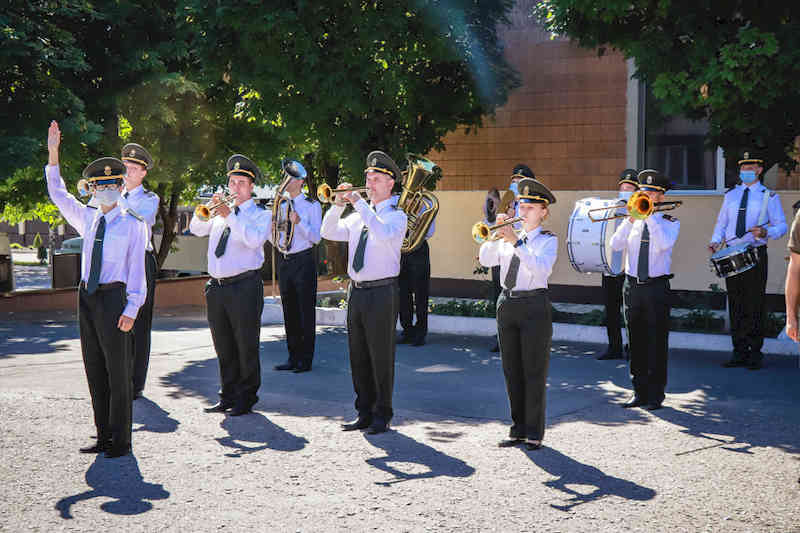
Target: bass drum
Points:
(589, 243)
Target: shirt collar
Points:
(138, 190)
(532, 234)
(111, 215)
(247, 205)
(380, 206)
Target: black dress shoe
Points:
(137, 395)
(735, 361)
(508, 443)
(302, 366)
(359, 423)
(218, 408)
(288, 365)
(377, 426)
(403, 338)
(239, 411)
(532, 444)
(118, 451)
(98, 447)
(634, 402)
(610, 354)
(654, 406)
(495, 348)
(419, 341)
(755, 365)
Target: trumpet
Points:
(483, 232)
(83, 187)
(638, 206)
(203, 211)
(325, 194)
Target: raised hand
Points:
(53, 142)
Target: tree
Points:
(734, 63)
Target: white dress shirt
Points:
(145, 204)
(245, 248)
(387, 228)
(307, 231)
(729, 215)
(537, 255)
(664, 231)
(123, 242)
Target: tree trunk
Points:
(168, 214)
(335, 252)
(51, 246)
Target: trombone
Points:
(483, 232)
(638, 206)
(326, 194)
(203, 211)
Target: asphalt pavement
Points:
(723, 455)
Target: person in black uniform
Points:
(648, 243)
(612, 285)
(112, 290)
(235, 292)
(374, 234)
(524, 314)
(297, 273)
(750, 214)
(144, 203)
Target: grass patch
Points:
(30, 263)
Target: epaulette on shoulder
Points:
(548, 233)
(309, 200)
(670, 218)
(91, 206)
(772, 194)
(731, 189)
(134, 214)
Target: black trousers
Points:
(144, 325)
(108, 362)
(747, 309)
(612, 290)
(234, 316)
(647, 314)
(525, 330)
(371, 322)
(415, 287)
(297, 279)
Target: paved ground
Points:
(722, 456)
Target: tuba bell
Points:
(282, 206)
(419, 205)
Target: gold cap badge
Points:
(107, 170)
(649, 180)
(236, 166)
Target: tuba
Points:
(290, 169)
(419, 205)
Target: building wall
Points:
(566, 121)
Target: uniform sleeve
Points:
(333, 227)
(148, 209)
(74, 212)
(251, 228)
(136, 283)
(663, 232)
(431, 229)
(777, 221)
(489, 253)
(794, 235)
(383, 228)
(539, 258)
(310, 226)
(721, 226)
(619, 241)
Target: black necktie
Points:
(513, 269)
(97, 257)
(126, 194)
(740, 219)
(643, 269)
(223, 239)
(358, 257)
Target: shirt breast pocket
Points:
(115, 247)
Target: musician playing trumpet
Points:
(524, 315)
(646, 292)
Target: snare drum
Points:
(734, 260)
(589, 243)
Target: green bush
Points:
(480, 308)
(16, 246)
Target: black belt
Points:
(635, 281)
(297, 255)
(104, 286)
(371, 284)
(234, 279)
(524, 294)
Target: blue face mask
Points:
(513, 187)
(626, 195)
(747, 176)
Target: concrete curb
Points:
(461, 325)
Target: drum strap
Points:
(762, 215)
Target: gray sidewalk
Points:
(721, 456)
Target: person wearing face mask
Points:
(136, 199)
(111, 292)
(524, 313)
(374, 233)
(750, 214)
(646, 293)
(235, 292)
(612, 285)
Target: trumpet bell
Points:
(640, 206)
(83, 187)
(325, 194)
(202, 212)
(481, 232)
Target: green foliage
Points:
(734, 63)
(37, 241)
(16, 246)
(479, 308)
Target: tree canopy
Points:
(734, 63)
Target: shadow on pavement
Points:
(572, 473)
(406, 459)
(257, 429)
(119, 479)
(152, 417)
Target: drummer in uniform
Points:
(646, 292)
(750, 214)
